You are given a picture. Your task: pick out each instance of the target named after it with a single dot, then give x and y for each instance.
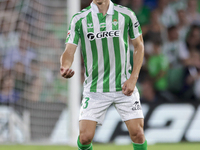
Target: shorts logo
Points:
(136, 24)
(136, 106)
(105, 34)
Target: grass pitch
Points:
(179, 146)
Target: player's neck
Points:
(103, 8)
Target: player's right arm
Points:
(72, 40)
(66, 61)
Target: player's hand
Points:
(66, 72)
(129, 87)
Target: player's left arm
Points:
(138, 55)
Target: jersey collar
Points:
(96, 10)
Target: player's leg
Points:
(92, 113)
(136, 132)
(130, 110)
(87, 130)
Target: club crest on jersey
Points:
(105, 34)
(115, 22)
(89, 25)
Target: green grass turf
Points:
(179, 146)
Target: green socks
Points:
(140, 146)
(89, 146)
(84, 147)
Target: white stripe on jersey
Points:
(122, 47)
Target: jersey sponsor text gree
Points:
(105, 34)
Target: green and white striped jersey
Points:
(105, 45)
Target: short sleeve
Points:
(73, 34)
(134, 26)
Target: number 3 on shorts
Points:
(86, 102)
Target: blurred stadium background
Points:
(34, 99)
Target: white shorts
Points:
(95, 105)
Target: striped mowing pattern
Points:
(105, 45)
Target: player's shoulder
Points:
(82, 13)
(123, 9)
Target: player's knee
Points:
(85, 139)
(138, 136)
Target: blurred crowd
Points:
(32, 37)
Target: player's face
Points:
(100, 2)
